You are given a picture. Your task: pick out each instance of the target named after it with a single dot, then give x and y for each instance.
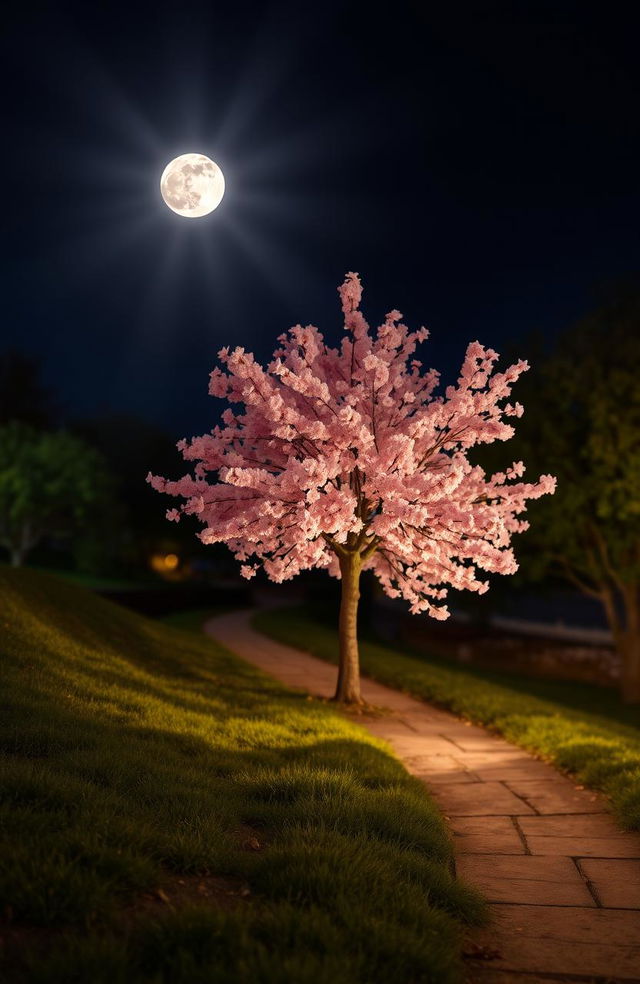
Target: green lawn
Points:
(582, 729)
(170, 815)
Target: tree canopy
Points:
(583, 421)
(51, 483)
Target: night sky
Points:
(477, 163)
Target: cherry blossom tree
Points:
(345, 458)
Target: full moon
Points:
(192, 185)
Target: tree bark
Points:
(624, 622)
(17, 557)
(348, 688)
(20, 543)
(630, 670)
(630, 647)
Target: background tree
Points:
(51, 483)
(583, 421)
(345, 459)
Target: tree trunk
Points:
(624, 623)
(17, 556)
(630, 675)
(348, 688)
(21, 544)
(629, 646)
(630, 669)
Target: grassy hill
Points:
(170, 814)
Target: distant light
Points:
(192, 185)
(165, 564)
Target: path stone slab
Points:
(508, 756)
(486, 835)
(530, 892)
(433, 763)
(391, 728)
(617, 883)
(603, 943)
(479, 742)
(483, 799)
(426, 715)
(556, 797)
(526, 880)
(594, 962)
(586, 847)
(444, 779)
(517, 770)
(438, 769)
(540, 869)
(381, 696)
(589, 825)
(423, 727)
(410, 745)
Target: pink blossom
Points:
(351, 448)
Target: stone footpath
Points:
(562, 879)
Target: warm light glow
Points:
(166, 564)
(192, 185)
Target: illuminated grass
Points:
(135, 754)
(581, 728)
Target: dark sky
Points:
(477, 163)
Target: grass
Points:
(582, 729)
(170, 814)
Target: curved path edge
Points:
(562, 880)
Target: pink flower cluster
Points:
(329, 450)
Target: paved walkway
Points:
(562, 879)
